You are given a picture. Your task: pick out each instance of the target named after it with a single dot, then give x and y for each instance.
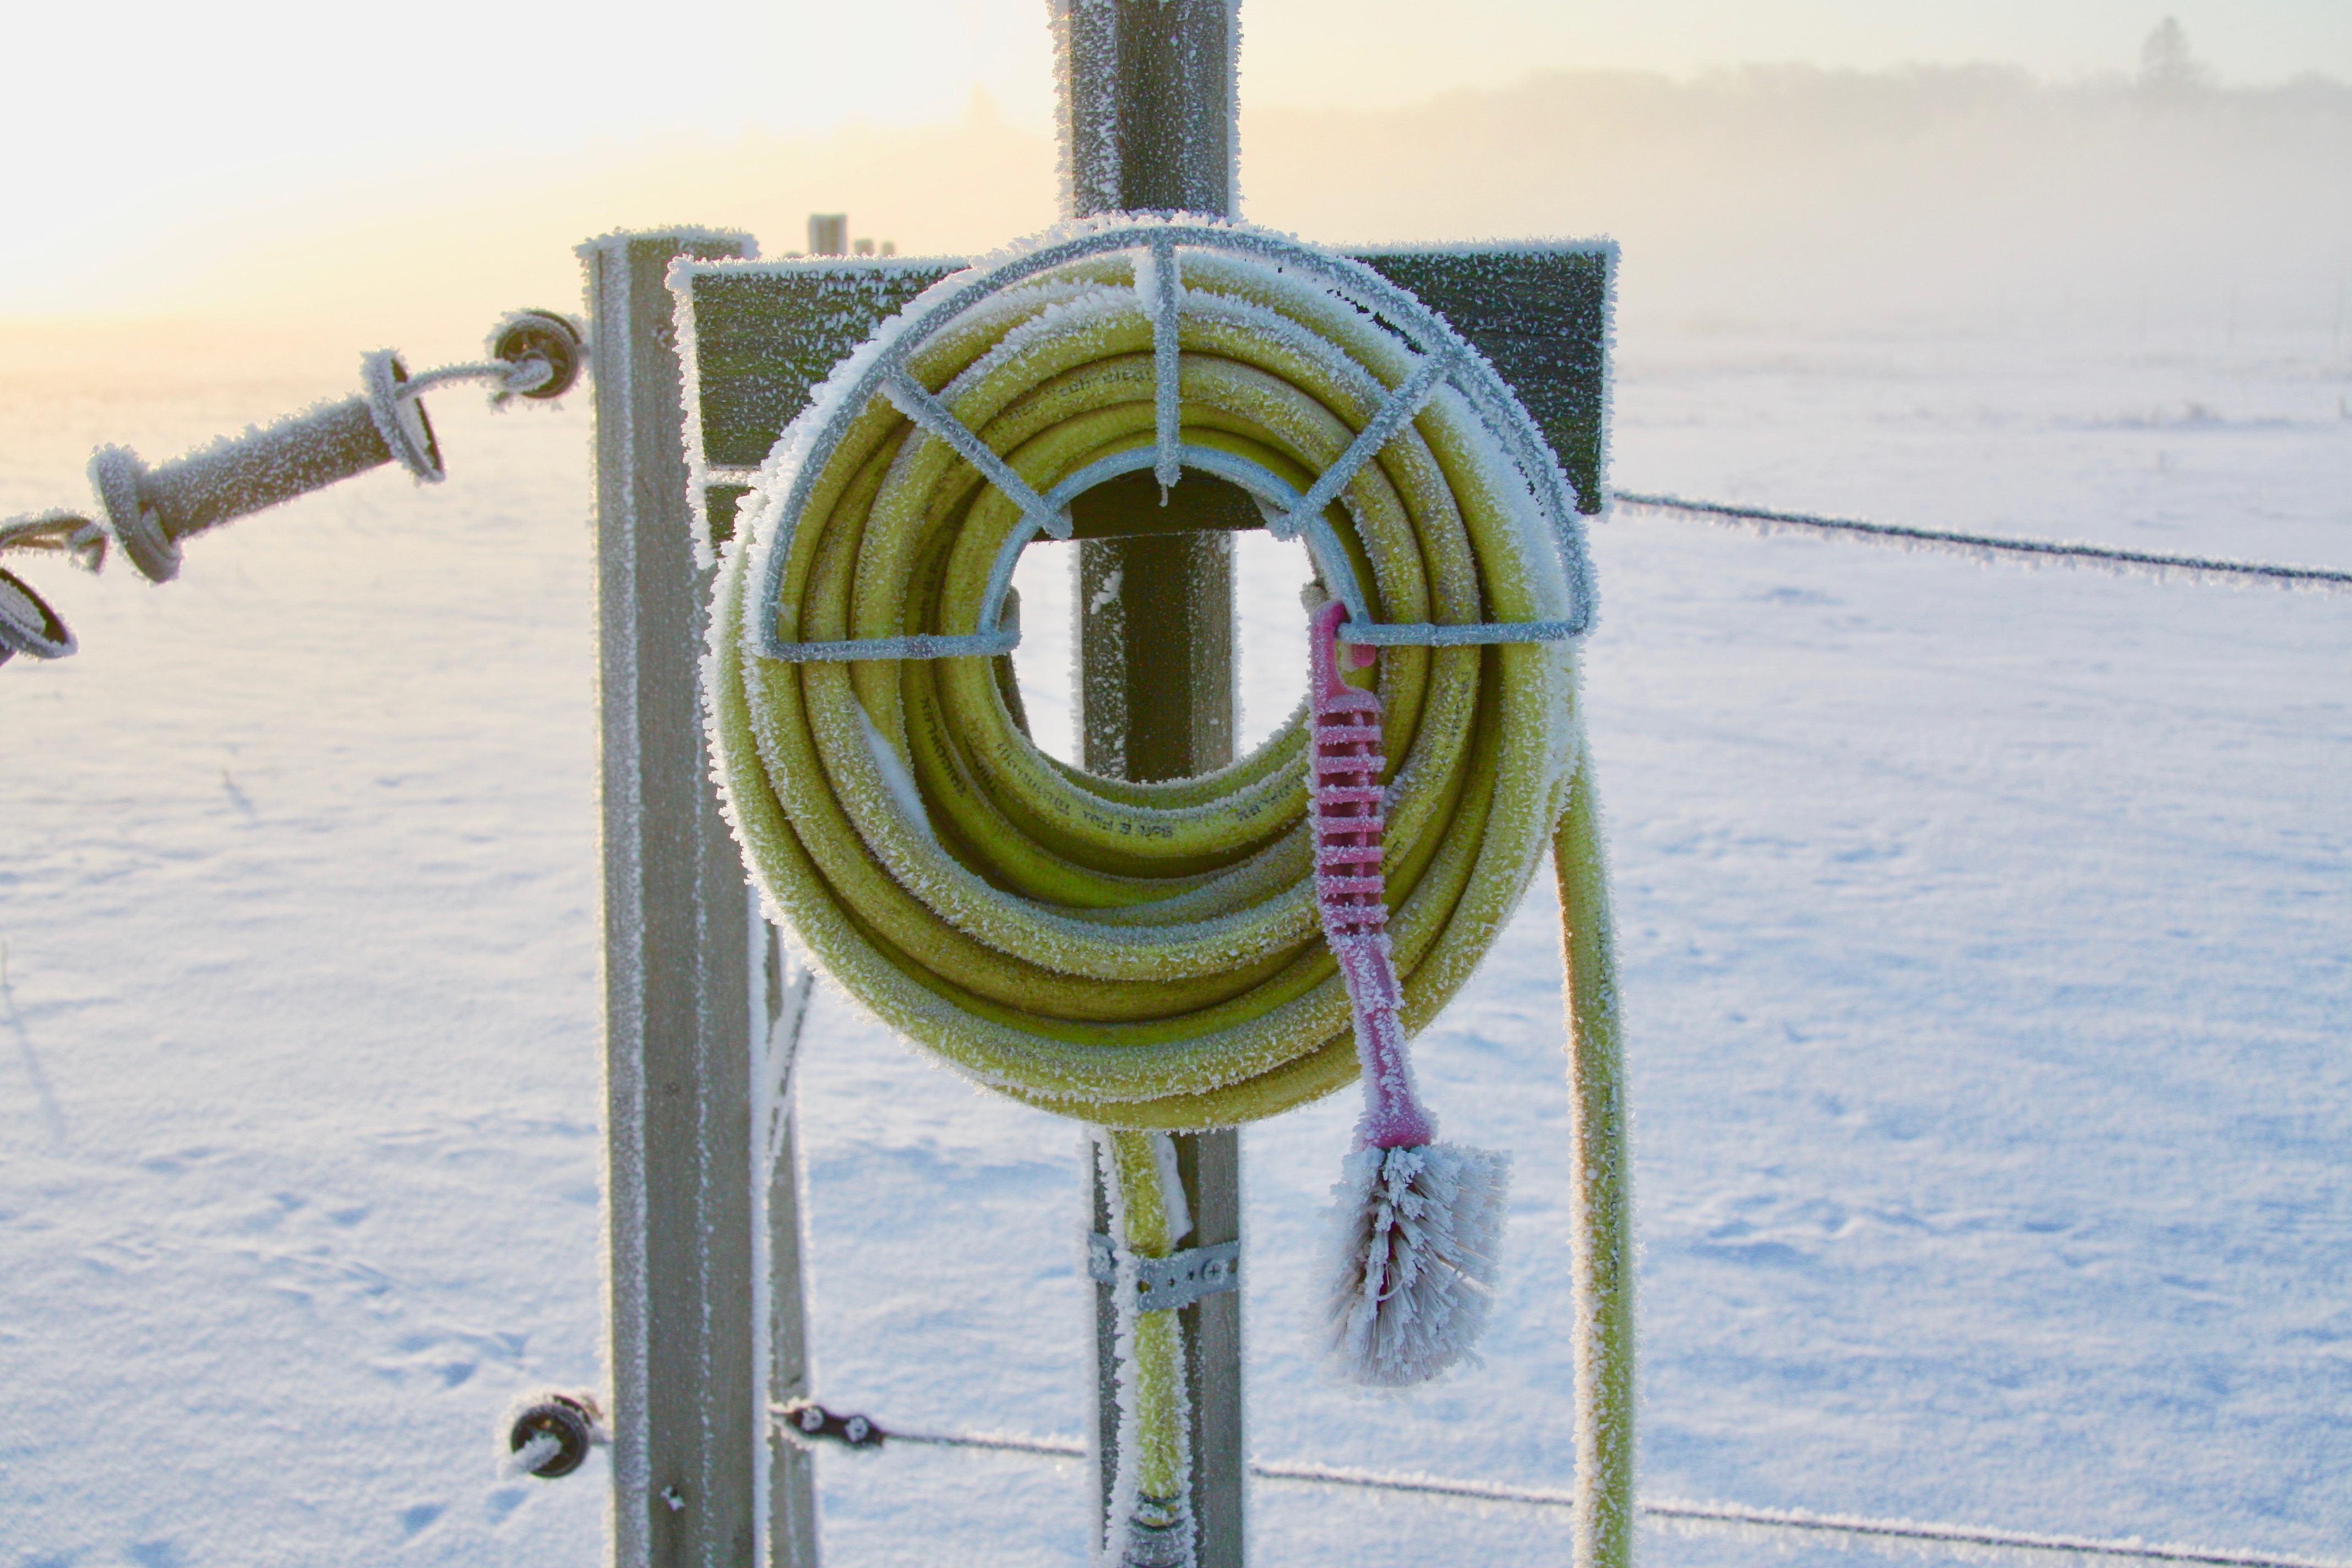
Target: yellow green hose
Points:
(1147, 957)
(1153, 1357)
(1134, 955)
(1601, 1198)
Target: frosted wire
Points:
(1767, 1519)
(1985, 546)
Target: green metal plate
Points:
(767, 333)
(1540, 315)
(719, 510)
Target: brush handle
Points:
(1393, 1118)
(1346, 802)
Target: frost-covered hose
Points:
(1601, 1190)
(1138, 955)
(1147, 957)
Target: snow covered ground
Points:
(1985, 933)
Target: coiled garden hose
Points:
(1147, 957)
(1138, 955)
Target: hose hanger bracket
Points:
(1138, 956)
(1433, 359)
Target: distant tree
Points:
(2166, 69)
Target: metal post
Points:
(680, 1013)
(780, 1000)
(1147, 91)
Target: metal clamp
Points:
(806, 1423)
(1165, 1284)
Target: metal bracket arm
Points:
(1165, 1284)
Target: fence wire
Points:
(1992, 547)
(1860, 1529)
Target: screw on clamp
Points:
(551, 1435)
(807, 1423)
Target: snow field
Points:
(1983, 940)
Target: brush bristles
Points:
(1415, 1234)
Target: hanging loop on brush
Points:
(1344, 793)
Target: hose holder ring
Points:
(1447, 359)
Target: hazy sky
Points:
(142, 116)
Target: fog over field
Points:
(1974, 197)
(1914, 197)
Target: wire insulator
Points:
(564, 1426)
(555, 340)
(27, 625)
(150, 510)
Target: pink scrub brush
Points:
(1416, 1224)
